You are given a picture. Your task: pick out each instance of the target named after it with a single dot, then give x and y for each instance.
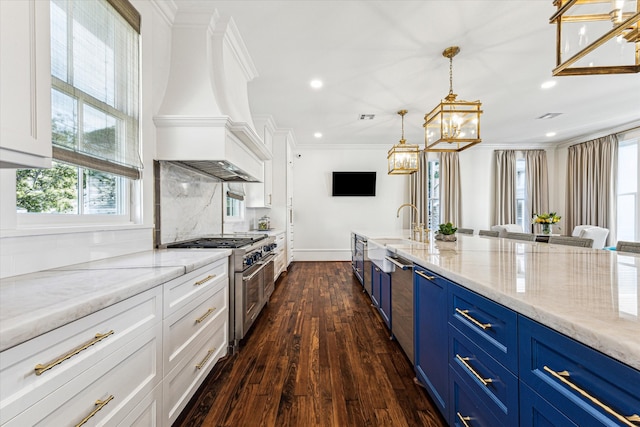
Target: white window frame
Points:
(631, 138)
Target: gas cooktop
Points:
(223, 241)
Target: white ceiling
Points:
(377, 57)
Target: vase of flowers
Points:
(546, 220)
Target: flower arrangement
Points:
(546, 218)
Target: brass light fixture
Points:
(403, 158)
(453, 125)
(597, 37)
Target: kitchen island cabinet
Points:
(106, 340)
(518, 312)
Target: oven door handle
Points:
(266, 259)
(254, 274)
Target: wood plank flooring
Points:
(318, 355)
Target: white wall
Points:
(323, 223)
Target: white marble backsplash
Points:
(189, 204)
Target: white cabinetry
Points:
(283, 214)
(25, 84)
(260, 194)
(57, 377)
(280, 261)
(195, 332)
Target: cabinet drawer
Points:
(21, 387)
(106, 392)
(493, 327)
(581, 382)
(178, 292)
(537, 412)
(193, 320)
(466, 409)
(495, 386)
(148, 413)
(180, 384)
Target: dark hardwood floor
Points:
(318, 355)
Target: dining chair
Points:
(633, 247)
(571, 241)
(520, 236)
(506, 228)
(598, 234)
(465, 231)
(489, 233)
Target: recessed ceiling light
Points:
(316, 84)
(548, 84)
(367, 116)
(317, 134)
(550, 134)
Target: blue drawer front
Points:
(500, 393)
(537, 412)
(466, 409)
(492, 326)
(563, 371)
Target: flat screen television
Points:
(354, 184)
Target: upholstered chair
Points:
(633, 247)
(489, 233)
(506, 228)
(571, 241)
(597, 234)
(520, 236)
(465, 231)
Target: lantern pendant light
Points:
(403, 158)
(453, 125)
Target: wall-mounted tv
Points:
(354, 184)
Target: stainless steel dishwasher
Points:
(402, 303)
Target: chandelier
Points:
(403, 158)
(453, 125)
(597, 37)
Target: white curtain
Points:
(450, 200)
(504, 201)
(419, 187)
(537, 179)
(591, 184)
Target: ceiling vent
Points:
(549, 116)
(367, 116)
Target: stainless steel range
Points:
(250, 277)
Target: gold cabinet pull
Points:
(463, 419)
(205, 280)
(99, 405)
(465, 362)
(40, 369)
(420, 273)
(202, 363)
(204, 316)
(562, 377)
(465, 314)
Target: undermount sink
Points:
(377, 252)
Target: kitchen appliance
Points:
(402, 303)
(250, 277)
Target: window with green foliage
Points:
(94, 107)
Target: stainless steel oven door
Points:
(252, 280)
(269, 278)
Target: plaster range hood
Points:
(205, 122)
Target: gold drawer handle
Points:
(204, 361)
(465, 314)
(562, 377)
(420, 273)
(40, 369)
(205, 280)
(465, 362)
(99, 405)
(463, 419)
(204, 316)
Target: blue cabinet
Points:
(537, 412)
(431, 335)
(588, 387)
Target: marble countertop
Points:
(590, 295)
(33, 304)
